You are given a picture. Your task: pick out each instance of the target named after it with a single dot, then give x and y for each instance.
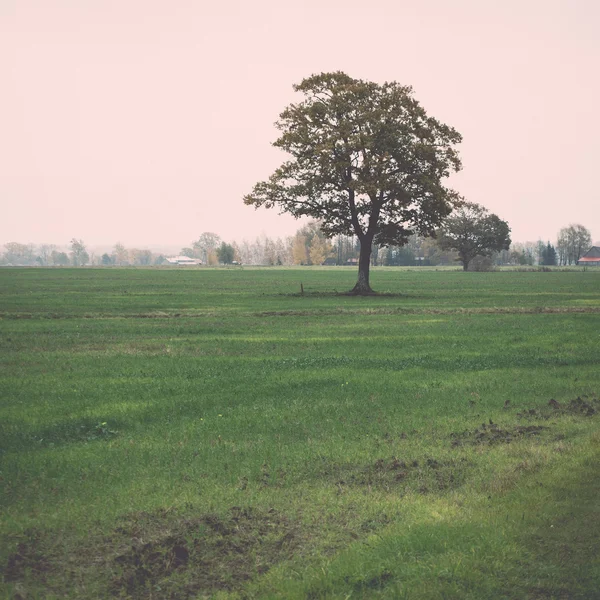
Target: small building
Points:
(591, 258)
(183, 260)
(330, 262)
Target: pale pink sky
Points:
(146, 121)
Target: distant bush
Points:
(481, 263)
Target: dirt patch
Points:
(490, 434)
(533, 413)
(188, 556)
(582, 405)
(586, 406)
(427, 475)
(28, 558)
(164, 554)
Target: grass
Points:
(212, 432)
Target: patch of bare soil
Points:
(428, 475)
(582, 405)
(585, 406)
(28, 559)
(161, 554)
(491, 433)
(211, 551)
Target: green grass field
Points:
(175, 433)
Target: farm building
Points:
(183, 260)
(591, 258)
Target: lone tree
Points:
(365, 160)
(473, 231)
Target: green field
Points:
(182, 433)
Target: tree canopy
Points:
(473, 231)
(366, 160)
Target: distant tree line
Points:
(309, 246)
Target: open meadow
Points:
(197, 432)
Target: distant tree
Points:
(582, 241)
(106, 259)
(572, 242)
(429, 251)
(145, 257)
(269, 252)
(503, 257)
(284, 250)
(140, 257)
(473, 231)
(400, 256)
(14, 252)
(206, 245)
(225, 253)
(19, 254)
(540, 248)
(237, 253)
(79, 255)
(309, 246)
(45, 253)
(59, 258)
(523, 253)
(245, 252)
(255, 253)
(548, 255)
(346, 247)
(121, 254)
(299, 250)
(366, 160)
(517, 257)
(320, 249)
(264, 251)
(187, 251)
(159, 260)
(562, 248)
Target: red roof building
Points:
(591, 258)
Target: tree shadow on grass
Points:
(346, 294)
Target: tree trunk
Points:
(465, 259)
(362, 287)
